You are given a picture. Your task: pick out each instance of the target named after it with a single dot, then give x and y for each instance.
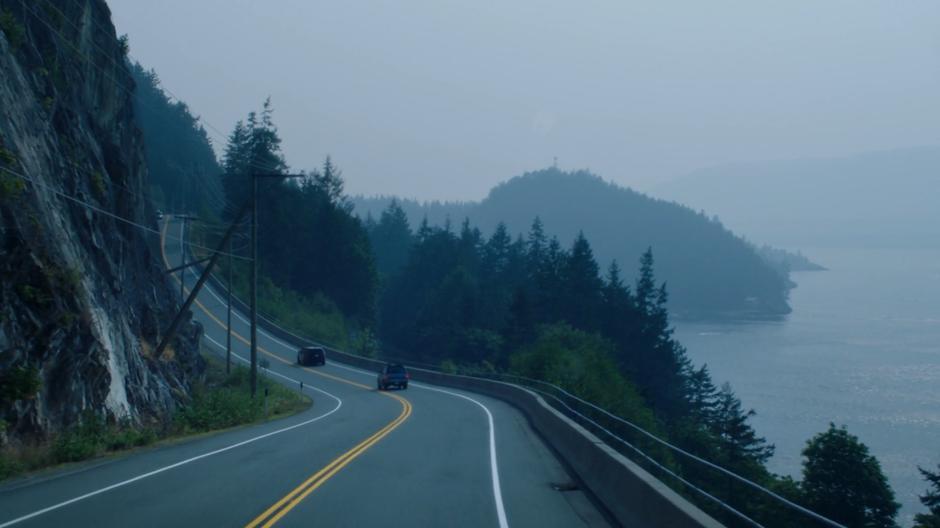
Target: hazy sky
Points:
(442, 99)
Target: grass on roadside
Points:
(220, 402)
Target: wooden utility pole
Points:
(254, 270)
(228, 321)
(174, 326)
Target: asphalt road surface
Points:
(426, 456)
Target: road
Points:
(427, 456)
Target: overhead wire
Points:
(109, 214)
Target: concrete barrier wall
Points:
(631, 495)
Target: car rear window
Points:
(395, 369)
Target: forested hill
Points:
(184, 173)
(710, 271)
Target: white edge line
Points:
(494, 467)
(339, 403)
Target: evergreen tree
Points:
(658, 362)
(391, 239)
(582, 286)
(470, 246)
(646, 283)
(619, 317)
(424, 230)
(236, 162)
(931, 500)
(702, 396)
(740, 443)
(330, 180)
(496, 251)
(264, 145)
(520, 326)
(537, 244)
(843, 482)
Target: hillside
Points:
(83, 301)
(876, 199)
(709, 270)
(184, 174)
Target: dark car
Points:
(393, 375)
(311, 356)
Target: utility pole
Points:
(182, 258)
(228, 322)
(174, 326)
(254, 284)
(254, 271)
(184, 218)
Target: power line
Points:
(110, 214)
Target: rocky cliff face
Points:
(83, 299)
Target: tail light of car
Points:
(407, 375)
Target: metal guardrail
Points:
(582, 417)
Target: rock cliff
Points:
(83, 298)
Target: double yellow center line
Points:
(298, 494)
(292, 499)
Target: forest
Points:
(712, 273)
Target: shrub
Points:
(19, 383)
(12, 29)
(225, 401)
(83, 441)
(97, 181)
(7, 157)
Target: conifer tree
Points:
(931, 499)
(646, 283)
(702, 395)
(496, 253)
(391, 239)
(536, 244)
(844, 482)
(739, 441)
(582, 286)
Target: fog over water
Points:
(861, 349)
(442, 99)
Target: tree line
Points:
(710, 270)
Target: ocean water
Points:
(861, 349)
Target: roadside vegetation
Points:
(219, 402)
